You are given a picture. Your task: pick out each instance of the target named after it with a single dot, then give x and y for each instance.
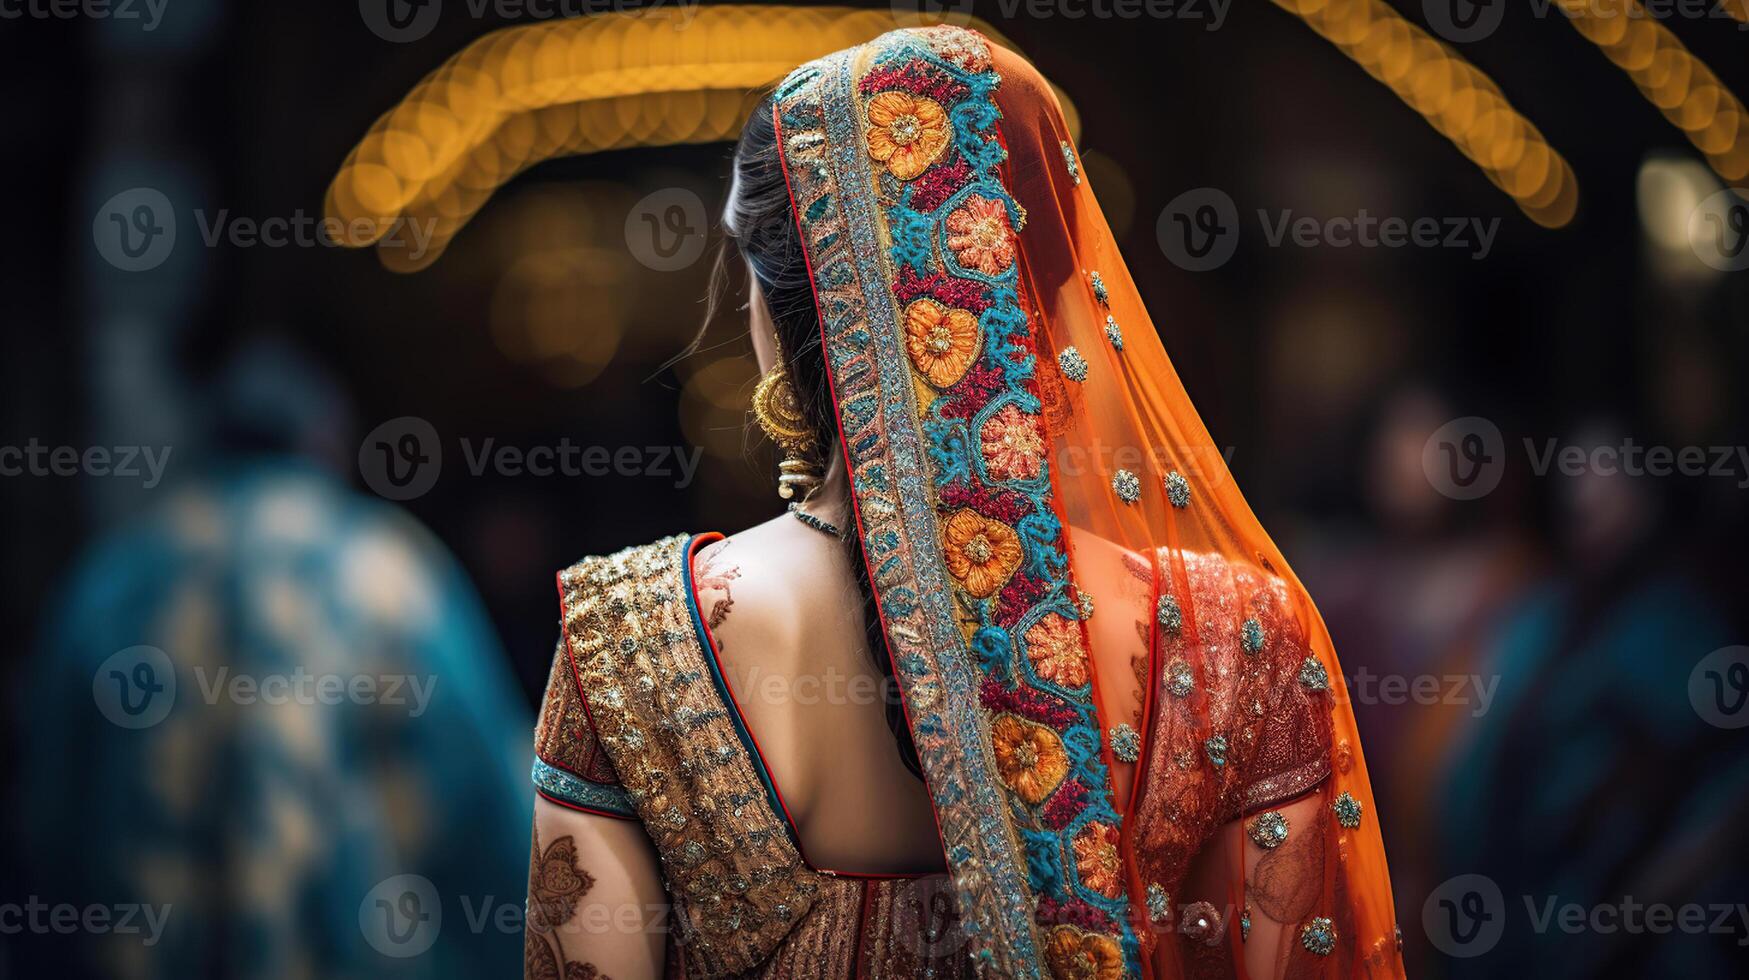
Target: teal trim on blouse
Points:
(567, 787)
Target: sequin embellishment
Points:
(1073, 364)
(1348, 810)
(1313, 676)
(1180, 678)
(1319, 936)
(1216, 747)
(1126, 744)
(1159, 903)
(1178, 489)
(1127, 486)
(1084, 603)
(1267, 830)
(1245, 924)
(1069, 162)
(1167, 613)
(1251, 635)
(1099, 292)
(1113, 333)
(1200, 923)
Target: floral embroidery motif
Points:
(1313, 676)
(942, 342)
(1319, 936)
(1127, 486)
(1177, 490)
(1167, 613)
(1347, 809)
(1216, 747)
(1180, 678)
(1012, 444)
(1159, 903)
(1076, 955)
(980, 553)
(1126, 743)
(1069, 162)
(1113, 333)
(1053, 644)
(1267, 830)
(1245, 923)
(1030, 758)
(1073, 364)
(980, 237)
(1097, 859)
(1099, 292)
(906, 132)
(1200, 923)
(1251, 635)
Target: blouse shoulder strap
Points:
(734, 875)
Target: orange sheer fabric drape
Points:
(1187, 536)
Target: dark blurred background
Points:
(1547, 676)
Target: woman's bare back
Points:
(781, 604)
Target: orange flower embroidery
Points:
(980, 236)
(1013, 445)
(906, 132)
(981, 553)
(1096, 858)
(1076, 955)
(1029, 758)
(1053, 644)
(942, 342)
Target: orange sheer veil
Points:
(1107, 665)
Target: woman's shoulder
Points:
(768, 590)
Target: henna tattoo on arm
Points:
(556, 886)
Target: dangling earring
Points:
(779, 413)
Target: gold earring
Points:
(779, 414)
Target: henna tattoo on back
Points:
(1288, 879)
(556, 886)
(715, 575)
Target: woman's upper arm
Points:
(596, 904)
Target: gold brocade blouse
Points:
(638, 723)
(658, 739)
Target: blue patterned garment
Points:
(277, 708)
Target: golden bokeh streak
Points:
(523, 95)
(1456, 99)
(1680, 85)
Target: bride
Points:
(1017, 685)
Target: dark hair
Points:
(759, 222)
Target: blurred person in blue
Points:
(1590, 824)
(270, 723)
